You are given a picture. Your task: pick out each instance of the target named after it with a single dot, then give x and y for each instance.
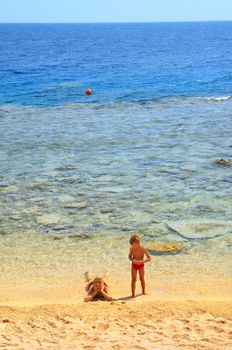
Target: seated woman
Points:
(97, 290)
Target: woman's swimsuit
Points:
(98, 296)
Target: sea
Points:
(79, 174)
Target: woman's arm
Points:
(89, 286)
(90, 297)
(105, 295)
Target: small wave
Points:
(16, 72)
(225, 78)
(216, 98)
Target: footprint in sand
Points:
(217, 329)
(221, 322)
(181, 336)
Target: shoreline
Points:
(172, 285)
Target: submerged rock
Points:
(38, 186)
(15, 217)
(66, 167)
(74, 205)
(6, 231)
(8, 190)
(49, 219)
(199, 229)
(3, 233)
(107, 210)
(223, 162)
(72, 236)
(79, 236)
(59, 228)
(165, 247)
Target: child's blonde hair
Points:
(135, 239)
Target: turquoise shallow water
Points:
(88, 169)
(76, 181)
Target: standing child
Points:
(136, 256)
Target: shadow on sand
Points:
(129, 297)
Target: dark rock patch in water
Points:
(72, 236)
(107, 210)
(3, 186)
(66, 167)
(74, 205)
(60, 228)
(15, 217)
(79, 236)
(39, 187)
(223, 162)
(3, 233)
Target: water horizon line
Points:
(126, 22)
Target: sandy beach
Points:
(141, 323)
(189, 306)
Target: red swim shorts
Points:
(137, 266)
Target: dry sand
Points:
(190, 310)
(141, 323)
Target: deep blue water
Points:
(53, 64)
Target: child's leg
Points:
(142, 279)
(133, 280)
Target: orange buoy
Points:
(88, 92)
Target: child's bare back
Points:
(138, 253)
